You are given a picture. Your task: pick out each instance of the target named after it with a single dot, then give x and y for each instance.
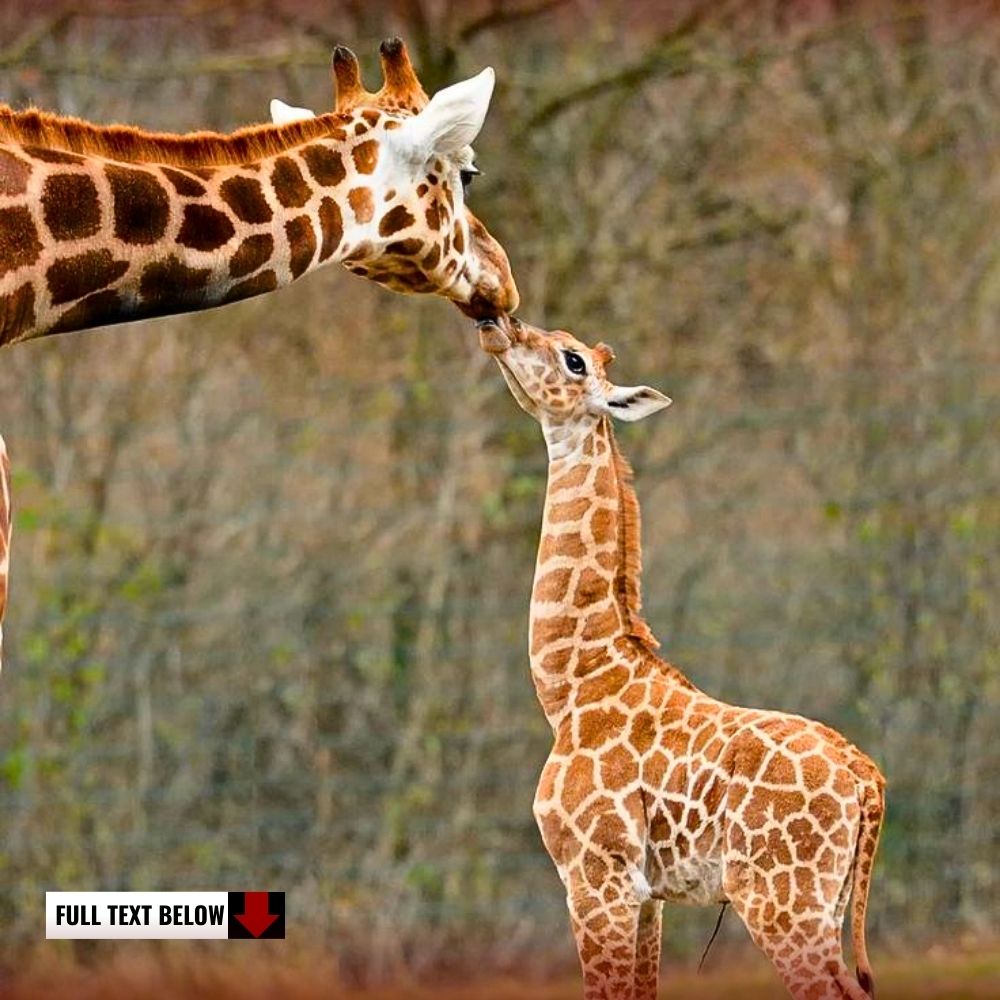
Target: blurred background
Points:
(272, 563)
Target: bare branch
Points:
(501, 16)
(672, 55)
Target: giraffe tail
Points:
(872, 811)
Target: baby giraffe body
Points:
(104, 224)
(653, 790)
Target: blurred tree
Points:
(268, 620)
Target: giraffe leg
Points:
(647, 949)
(804, 943)
(605, 923)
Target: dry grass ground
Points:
(937, 974)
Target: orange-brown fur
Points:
(135, 145)
(116, 223)
(629, 578)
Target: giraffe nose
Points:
(492, 337)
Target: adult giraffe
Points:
(653, 790)
(103, 224)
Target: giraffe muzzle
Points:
(493, 338)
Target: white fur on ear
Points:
(282, 114)
(452, 119)
(633, 402)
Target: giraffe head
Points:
(560, 381)
(419, 236)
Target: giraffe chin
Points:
(516, 389)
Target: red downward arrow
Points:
(256, 916)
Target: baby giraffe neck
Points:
(585, 603)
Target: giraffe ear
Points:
(282, 114)
(452, 118)
(633, 402)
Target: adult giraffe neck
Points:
(104, 224)
(98, 241)
(585, 603)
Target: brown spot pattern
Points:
(643, 732)
(205, 228)
(434, 216)
(141, 206)
(164, 282)
(618, 767)
(572, 479)
(252, 253)
(325, 164)
(94, 310)
(564, 544)
(577, 783)
(598, 725)
(405, 248)
(600, 625)
(17, 313)
(555, 661)
(331, 224)
(431, 258)
(19, 243)
(245, 197)
(552, 586)
(301, 242)
(70, 206)
(547, 630)
(289, 184)
(52, 155)
(394, 220)
(183, 184)
(571, 510)
(73, 277)
(362, 203)
(591, 588)
(14, 173)
(365, 156)
(266, 281)
(600, 687)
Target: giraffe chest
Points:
(684, 850)
(685, 798)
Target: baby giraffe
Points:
(653, 790)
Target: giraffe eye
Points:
(467, 175)
(575, 363)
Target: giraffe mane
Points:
(628, 581)
(129, 144)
